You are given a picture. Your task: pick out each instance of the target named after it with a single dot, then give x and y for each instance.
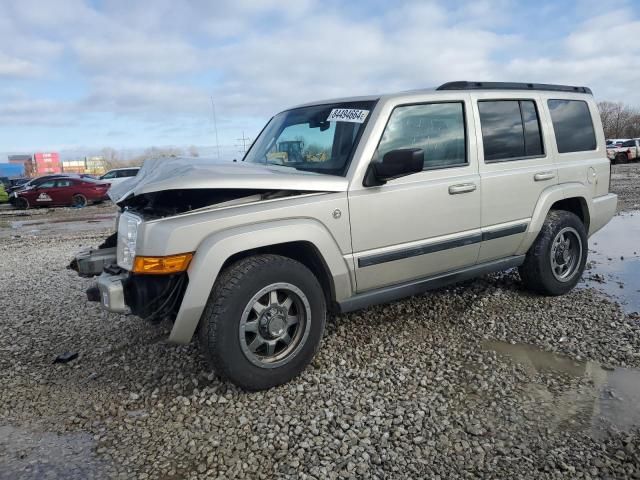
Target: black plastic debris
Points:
(93, 294)
(66, 357)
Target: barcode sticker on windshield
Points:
(347, 115)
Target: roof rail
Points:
(464, 85)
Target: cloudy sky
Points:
(86, 74)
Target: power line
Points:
(245, 142)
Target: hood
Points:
(185, 173)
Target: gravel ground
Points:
(414, 389)
(625, 181)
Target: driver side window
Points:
(436, 128)
(49, 184)
(109, 175)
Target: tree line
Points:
(619, 120)
(114, 159)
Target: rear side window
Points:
(436, 128)
(572, 125)
(127, 173)
(510, 130)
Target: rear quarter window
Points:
(572, 125)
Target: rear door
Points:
(515, 167)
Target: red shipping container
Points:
(47, 163)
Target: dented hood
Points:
(183, 173)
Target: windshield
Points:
(318, 139)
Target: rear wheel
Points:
(79, 201)
(263, 322)
(556, 260)
(22, 203)
(621, 158)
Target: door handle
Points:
(462, 188)
(542, 176)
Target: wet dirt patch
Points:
(604, 398)
(68, 224)
(33, 454)
(614, 261)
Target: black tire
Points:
(621, 158)
(221, 340)
(79, 201)
(537, 272)
(21, 203)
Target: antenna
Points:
(215, 126)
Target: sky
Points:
(82, 75)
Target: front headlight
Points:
(127, 239)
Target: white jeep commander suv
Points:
(341, 204)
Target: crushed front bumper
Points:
(111, 288)
(92, 261)
(152, 297)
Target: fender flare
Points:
(217, 248)
(547, 198)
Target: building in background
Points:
(95, 165)
(25, 161)
(89, 165)
(48, 162)
(73, 166)
(11, 170)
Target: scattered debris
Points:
(66, 357)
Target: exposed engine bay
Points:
(168, 203)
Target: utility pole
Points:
(215, 126)
(245, 141)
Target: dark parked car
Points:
(34, 182)
(61, 191)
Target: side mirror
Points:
(395, 164)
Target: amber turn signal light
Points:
(162, 265)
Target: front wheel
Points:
(263, 322)
(556, 260)
(22, 203)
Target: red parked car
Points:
(75, 192)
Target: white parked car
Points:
(119, 175)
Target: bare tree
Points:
(111, 157)
(619, 120)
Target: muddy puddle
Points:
(32, 454)
(597, 400)
(614, 261)
(75, 223)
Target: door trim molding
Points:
(415, 251)
(504, 231)
(416, 287)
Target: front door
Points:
(43, 194)
(426, 223)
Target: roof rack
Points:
(464, 85)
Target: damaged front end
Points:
(152, 295)
(142, 269)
